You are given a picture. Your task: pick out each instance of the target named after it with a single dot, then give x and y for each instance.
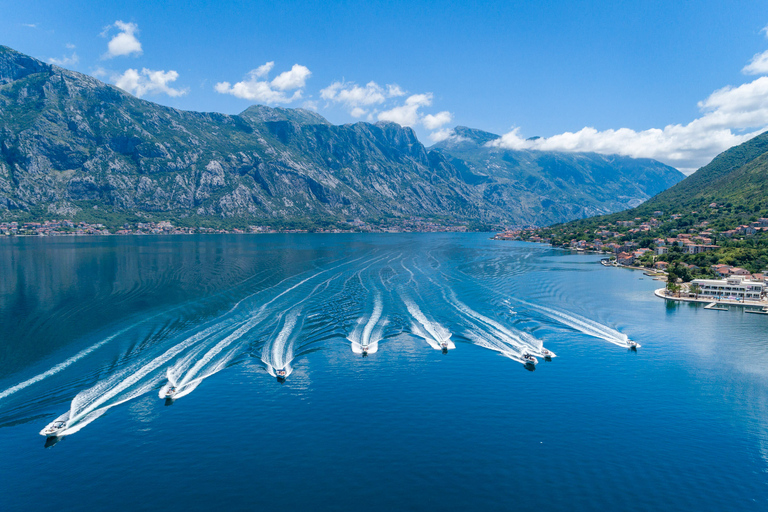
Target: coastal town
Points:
(166, 227)
(698, 261)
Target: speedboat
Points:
(632, 345)
(54, 428)
(365, 350)
(170, 393)
(548, 354)
(528, 359)
(444, 346)
(281, 375)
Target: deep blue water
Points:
(96, 326)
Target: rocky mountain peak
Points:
(15, 65)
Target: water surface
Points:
(96, 329)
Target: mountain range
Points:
(74, 147)
(730, 190)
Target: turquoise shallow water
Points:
(95, 328)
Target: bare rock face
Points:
(69, 143)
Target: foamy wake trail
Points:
(584, 325)
(186, 377)
(369, 330)
(125, 385)
(278, 353)
(191, 370)
(490, 334)
(61, 366)
(432, 332)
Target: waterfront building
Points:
(734, 287)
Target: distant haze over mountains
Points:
(74, 147)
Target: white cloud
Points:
(295, 78)
(148, 82)
(729, 116)
(29, 25)
(70, 46)
(99, 72)
(64, 60)
(124, 42)
(310, 105)
(358, 100)
(433, 122)
(267, 92)
(441, 135)
(394, 90)
(408, 113)
(758, 65)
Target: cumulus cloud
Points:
(265, 91)
(65, 60)
(376, 102)
(758, 65)
(444, 134)
(359, 100)
(433, 122)
(124, 42)
(148, 82)
(295, 78)
(730, 116)
(407, 114)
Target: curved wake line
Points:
(83, 353)
(93, 408)
(277, 356)
(521, 337)
(432, 332)
(59, 367)
(374, 328)
(582, 324)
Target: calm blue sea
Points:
(372, 414)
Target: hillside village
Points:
(681, 243)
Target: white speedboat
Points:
(170, 392)
(54, 428)
(281, 375)
(632, 345)
(528, 359)
(365, 350)
(444, 346)
(548, 354)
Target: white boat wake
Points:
(126, 385)
(490, 334)
(369, 330)
(278, 353)
(581, 324)
(437, 336)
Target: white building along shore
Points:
(733, 288)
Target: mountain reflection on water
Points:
(100, 328)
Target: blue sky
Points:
(635, 78)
